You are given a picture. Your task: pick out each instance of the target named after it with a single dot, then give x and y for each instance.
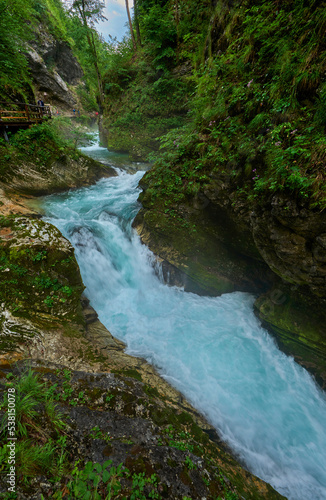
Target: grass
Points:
(40, 448)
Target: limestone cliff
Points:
(54, 68)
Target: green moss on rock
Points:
(298, 323)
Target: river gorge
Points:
(267, 408)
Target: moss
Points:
(299, 327)
(215, 488)
(129, 373)
(108, 450)
(138, 465)
(185, 477)
(172, 463)
(151, 391)
(185, 418)
(94, 394)
(71, 331)
(163, 417)
(40, 277)
(127, 397)
(91, 355)
(43, 370)
(198, 434)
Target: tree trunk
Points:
(92, 47)
(137, 23)
(177, 26)
(90, 39)
(131, 28)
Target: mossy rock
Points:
(40, 278)
(298, 323)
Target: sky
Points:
(115, 11)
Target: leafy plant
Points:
(46, 454)
(94, 482)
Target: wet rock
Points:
(167, 446)
(272, 247)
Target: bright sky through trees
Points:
(115, 11)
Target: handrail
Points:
(19, 104)
(28, 113)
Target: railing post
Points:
(27, 112)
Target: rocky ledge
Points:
(55, 176)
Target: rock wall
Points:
(218, 242)
(53, 67)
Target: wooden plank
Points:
(13, 113)
(8, 118)
(27, 110)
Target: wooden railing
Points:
(17, 114)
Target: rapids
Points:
(264, 405)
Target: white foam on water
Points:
(264, 405)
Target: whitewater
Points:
(213, 349)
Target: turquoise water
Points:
(265, 406)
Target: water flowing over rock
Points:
(213, 349)
(274, 248)
(44, 318)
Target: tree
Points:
(131, 28)
(136, 16)
(91, 12)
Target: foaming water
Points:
(118, 160)
(213, 350)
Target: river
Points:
(213, 349)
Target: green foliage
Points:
(41, 145)
(145, 96)
(15, 29)
(190, 464)
(41, 139)
(258, 112)
(42, 454)
(93, 481)
(160, 34)
(105, 481)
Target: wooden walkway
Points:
(20, 114)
